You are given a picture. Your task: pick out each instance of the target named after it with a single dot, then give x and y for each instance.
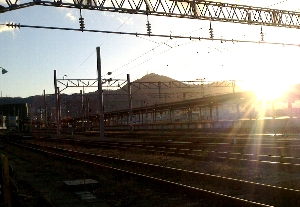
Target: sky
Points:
(31, 55)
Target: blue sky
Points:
(31, 55)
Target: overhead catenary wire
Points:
(159, 43)
(152, 49)
(152, 58)
(116, 30)
(278, 3)
(170, 39)
(101, 44)
(136, 59)
(154, 35)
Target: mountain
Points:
(148, 90)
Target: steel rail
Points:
(246, 185)
(191, 191)
(194, 151)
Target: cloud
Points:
(4, 28)
(68, 13)
(3, 2)
(123, 19)
(71, 16)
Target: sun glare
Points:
(267, 90)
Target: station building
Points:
(13, 116)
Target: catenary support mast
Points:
(101, 111)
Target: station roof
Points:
(198, 102)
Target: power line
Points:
(165, 42)
(144, 61)
(116, 29)
(139, 57)
(222, 40)
(160, 44)
(100, 45)
(168, 49)
(154, 35)
(278, 3)
(82, 63)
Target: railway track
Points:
(184, 179)
(228, 152)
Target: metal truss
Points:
(180, 95)
(122, 85)
(190, 9)
(121, 97)
(63, 84)
(181, 84)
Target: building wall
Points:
(2, 122)
(20, 110)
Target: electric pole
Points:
(101, 114)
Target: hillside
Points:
(148, 90)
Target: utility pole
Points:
(81, 109)
(57, 105)
(100, 94)
(3, 72)
(46, 110)
(88, 114)
(129, 103)
(30, 118)
(59, 111)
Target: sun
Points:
(269, 78)
(267, 90)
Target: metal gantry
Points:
(190, 9)
(126, 85)
(138, 85)
(84, 83)
(160, 86)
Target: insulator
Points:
(211, 31)
(148, 28)
(81, 23)
(13, 25)
(262, 35)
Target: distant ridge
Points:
(153, 77)
(141, 96)
(118, 99)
